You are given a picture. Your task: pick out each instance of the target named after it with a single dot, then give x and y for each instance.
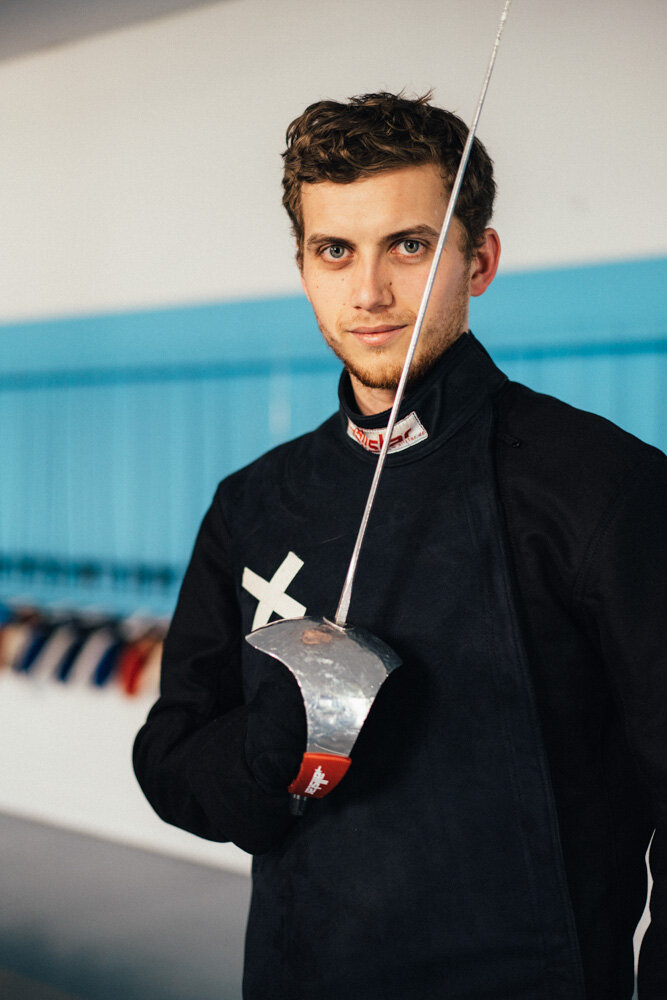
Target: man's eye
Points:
(410, 247)
(334, 252)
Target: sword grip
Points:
(297, 805)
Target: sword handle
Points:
(297, 805)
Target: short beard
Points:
(388, 376)
(433, 342)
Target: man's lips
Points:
(376, 336)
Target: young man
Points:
(488, 841)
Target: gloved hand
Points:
(276, 733)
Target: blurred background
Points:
(154, 337)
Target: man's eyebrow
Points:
(404, 234)
(317, 239)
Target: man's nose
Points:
(372, 285)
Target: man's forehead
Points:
(399, 198)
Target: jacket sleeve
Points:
(624, 592)
(189, 757)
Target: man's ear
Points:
(485, 263)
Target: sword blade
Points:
(346, 594)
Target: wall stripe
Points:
(618, 302)
(298, 366)
(116, 428)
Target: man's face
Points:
(368, 248)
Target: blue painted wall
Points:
(116, 428)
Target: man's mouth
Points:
(376, 336)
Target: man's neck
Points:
(370, 400)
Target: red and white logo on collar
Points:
(407, 432)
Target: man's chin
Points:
(387, 375)
(386, 378)
(378, 371)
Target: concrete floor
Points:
(85, 919)
(15, 987)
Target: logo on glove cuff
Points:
(317, 781)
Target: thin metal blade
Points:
(346, 594)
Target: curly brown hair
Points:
(374, 132)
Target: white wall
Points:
(142, 167)
(66, 753)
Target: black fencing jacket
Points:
(488, 841)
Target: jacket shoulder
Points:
(564, 474)
(564, 440)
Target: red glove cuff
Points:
(319, 774)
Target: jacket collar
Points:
(443, 401)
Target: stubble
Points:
(378, 371)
